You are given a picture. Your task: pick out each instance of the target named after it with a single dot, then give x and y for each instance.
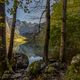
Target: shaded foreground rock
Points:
(15, 76)
(19, 64)
(38, 70)
(34, 68)
(52, 71)
(21, 61)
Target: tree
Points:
(2, 29)
(63, 31)
(47, 36)
(15, 6)
(2, 35)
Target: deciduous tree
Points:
(47, 36)
(63, 31)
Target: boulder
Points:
(26, 78)
(73, 71)
(6, 76)
(21, 61)
(76, 59)
(19, 64)
(50, 68)
(16, 76)
(34, 68)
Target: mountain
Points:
(22, 27)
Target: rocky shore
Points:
(37, 70)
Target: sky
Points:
(35, 13)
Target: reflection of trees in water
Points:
(29, 48)
(24, 48)
(32, 46)
(30, 51)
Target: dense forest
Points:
(39, 39)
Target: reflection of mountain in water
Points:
(28, 50)
(24, 49)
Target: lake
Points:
(30, 49)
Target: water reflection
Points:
(30, 50)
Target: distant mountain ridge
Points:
(22, 27)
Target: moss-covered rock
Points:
(34, 68)
(26, 78)
(40, 77)
(73, 72)
(76, 60)
(50, 68)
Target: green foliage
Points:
(73, 72)
(20, 4)
(34, 68)
(72, 29)
(50, 69)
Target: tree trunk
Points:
(63, 31)
(10, 52)
(2, 38)
(47, 36)
(2, 30)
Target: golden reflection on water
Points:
(18, 40)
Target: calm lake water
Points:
(29, 49)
